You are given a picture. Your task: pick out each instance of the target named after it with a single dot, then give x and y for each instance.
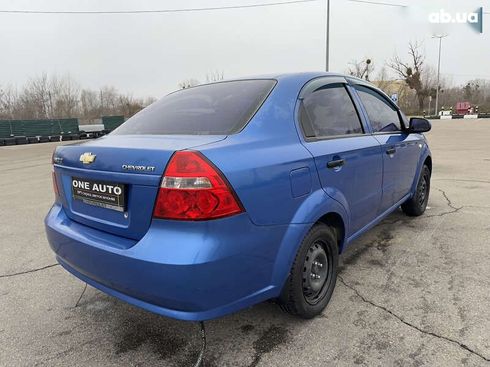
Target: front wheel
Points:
(313, 275)
(416, 205)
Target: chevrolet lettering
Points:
(131, 167)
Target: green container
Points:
(67, 126)
(17, 127)
(45, 127)
(5, 129)
(112, 122)
(38, 127)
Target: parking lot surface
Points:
(411, 292)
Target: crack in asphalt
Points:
(415, 327)
(460, 179)
(28, 271)
(455, 209)
(81, 295)
(449, 203)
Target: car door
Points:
(400, 149)
(348, 160)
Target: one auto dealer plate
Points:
(104, 194)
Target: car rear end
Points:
(144, 215)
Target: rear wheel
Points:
(313, 275)
(416, 205)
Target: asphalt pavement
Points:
(411, 292)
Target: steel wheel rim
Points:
(317, 273)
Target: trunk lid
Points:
(134, 163)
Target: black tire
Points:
(416, 205)
(304, 294)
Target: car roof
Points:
(306, 75)
(299, 77)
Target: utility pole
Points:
(327, 44)
(438, 69)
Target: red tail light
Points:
(194, 189)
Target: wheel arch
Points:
(425, 159)
(318, 208)
(334, 220)
(428, 162)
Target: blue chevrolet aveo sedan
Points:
(224, 195)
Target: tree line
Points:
(410, 77)
(415, 82)
(48, 97)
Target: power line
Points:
(378, 3)
(154, 11)
(184, 9)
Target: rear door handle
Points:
(390, 151)
(335, 163)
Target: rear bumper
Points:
(183, 270)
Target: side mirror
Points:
(419, 125)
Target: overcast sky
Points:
(149, 54)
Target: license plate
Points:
(105, 194)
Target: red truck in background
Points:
(464, 108)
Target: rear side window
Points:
(382, 115)
(213, 109)
(329, 111)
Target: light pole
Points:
(327, 45)
(438, 69)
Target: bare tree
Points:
(89, 104)
(61, 97)
(361, 69)
(215, 76)
(412, 72)
(64, 96)
(8, 102)
(471, 90)
(35, 98)
(108, 100)
(128, 105)
(188, 83)
(382, 80)
(148, 101)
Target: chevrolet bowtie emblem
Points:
(87, 158)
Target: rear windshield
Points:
(213, 109)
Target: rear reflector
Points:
(194, 189)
